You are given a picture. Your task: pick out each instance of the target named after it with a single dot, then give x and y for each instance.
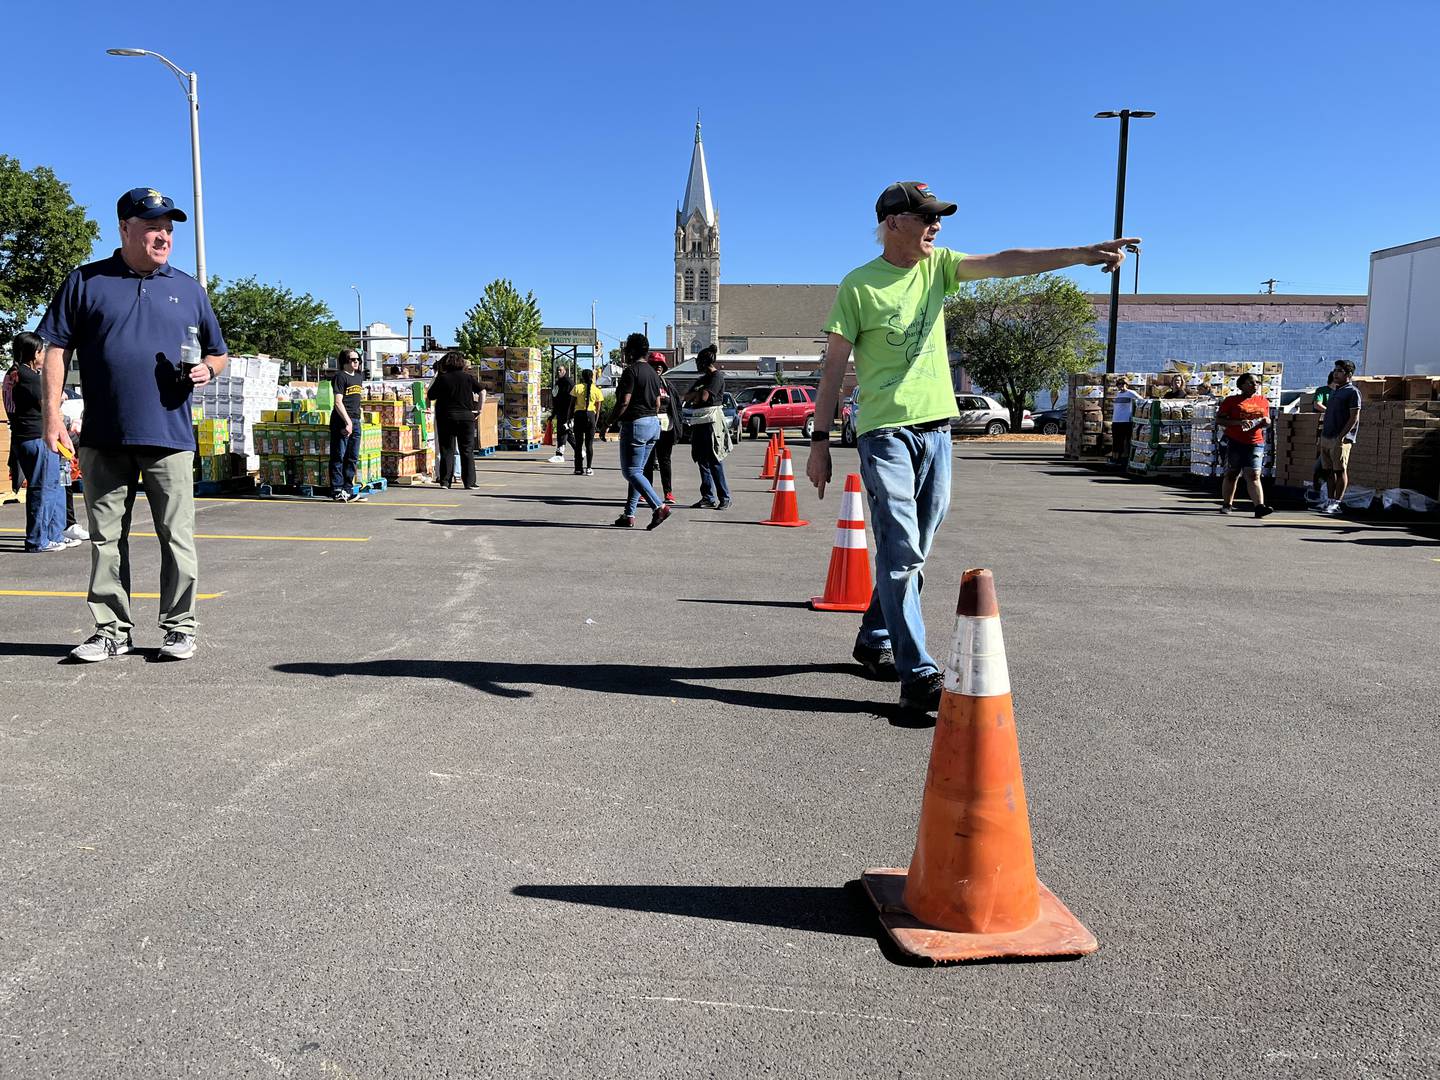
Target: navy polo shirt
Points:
(126, 329)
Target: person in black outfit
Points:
(707, 393)
(637, 400)
(561, 406)
(456, 395)
(44, 503)
(669, 412)
(588, 399)
(346, 420)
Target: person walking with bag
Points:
(669, 414)
(709, 433)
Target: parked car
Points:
(1051, 421)
(981, 415)
(849, 417)
(768, 408)
(732, 418)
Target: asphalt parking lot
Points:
(474, 784)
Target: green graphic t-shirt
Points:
(895, 318)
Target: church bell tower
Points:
(697, 261)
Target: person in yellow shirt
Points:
(589, 399)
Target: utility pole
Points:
(1269, 284)
(1124, 116)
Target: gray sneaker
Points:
(99, 647)
(177, 646)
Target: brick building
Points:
(1305, 333)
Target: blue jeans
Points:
(344, 457)
(637, 438)
(907, 484)
(713, 485)
(45, 499)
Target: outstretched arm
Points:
(1017, 262)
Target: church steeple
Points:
(697, 188)
(697, 259)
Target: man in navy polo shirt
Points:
(125, 319)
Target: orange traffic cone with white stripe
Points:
(971, 892)
(769, 472)
(848, 584)
(785, 510)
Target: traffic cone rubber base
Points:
(817, 603)
(1055, 933)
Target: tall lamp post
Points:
(409, 325)
(360, 322)
(1134, 249)
(188, 84)
(1124, 116)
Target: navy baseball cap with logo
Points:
(147, 203)
(910, 197)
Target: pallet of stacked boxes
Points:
(402, 452)
(520, 415)
(1210, 385)
(242, 395)
(1092, 411)
(292, 442)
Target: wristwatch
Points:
(210, 369)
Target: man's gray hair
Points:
(880, 234)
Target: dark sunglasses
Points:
(925, 217)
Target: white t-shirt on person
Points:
(1125, 406)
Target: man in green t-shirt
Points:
(890, 314)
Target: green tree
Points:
(502, 317)
(1019, 335)
(260, 318)
(44, 235)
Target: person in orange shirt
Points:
(1245, 415)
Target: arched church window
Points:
(704, 284)
(689, 284)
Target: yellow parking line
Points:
(81, 595)
(248, 536)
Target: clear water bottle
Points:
(190, 354)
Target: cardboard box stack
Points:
(1211, 384)
(212, 448)
(1160, 440)
(241, 396)
(293, 445)
(1397, 446)
(1092, 410)
(403, 452)
(520, 419)
(490, 370)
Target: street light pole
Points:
(189, 82)
(360, 322)
(409, 326)
(594, 342)
(1134, 249)
(1124, 115)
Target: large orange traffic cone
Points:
(769, 472)
(848, 584)
(971, 891)
(785, 510)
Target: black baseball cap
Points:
(147, 203)
(910, 197)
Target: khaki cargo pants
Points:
(110, 477)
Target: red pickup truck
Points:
(767, 408)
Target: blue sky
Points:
(420, 151)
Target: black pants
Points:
(456, 435)
(1120, 435)
(661, 456)
(582, 437)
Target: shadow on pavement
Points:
(1196, 512)
(34, 648)
(1371, 541)
(557, 500)
(823, 909)
(747, 603)
(507, 680)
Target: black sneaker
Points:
(659, 517)
(923, 695)
(1264, 511)
(724, 505)
(878, 663)
(99, 647)
(705, 504)
(625, 521)
(1226, 508)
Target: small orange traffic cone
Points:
(549, 437)
(848, 584)
(769, 472)
(971, 892)
(785, 510)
